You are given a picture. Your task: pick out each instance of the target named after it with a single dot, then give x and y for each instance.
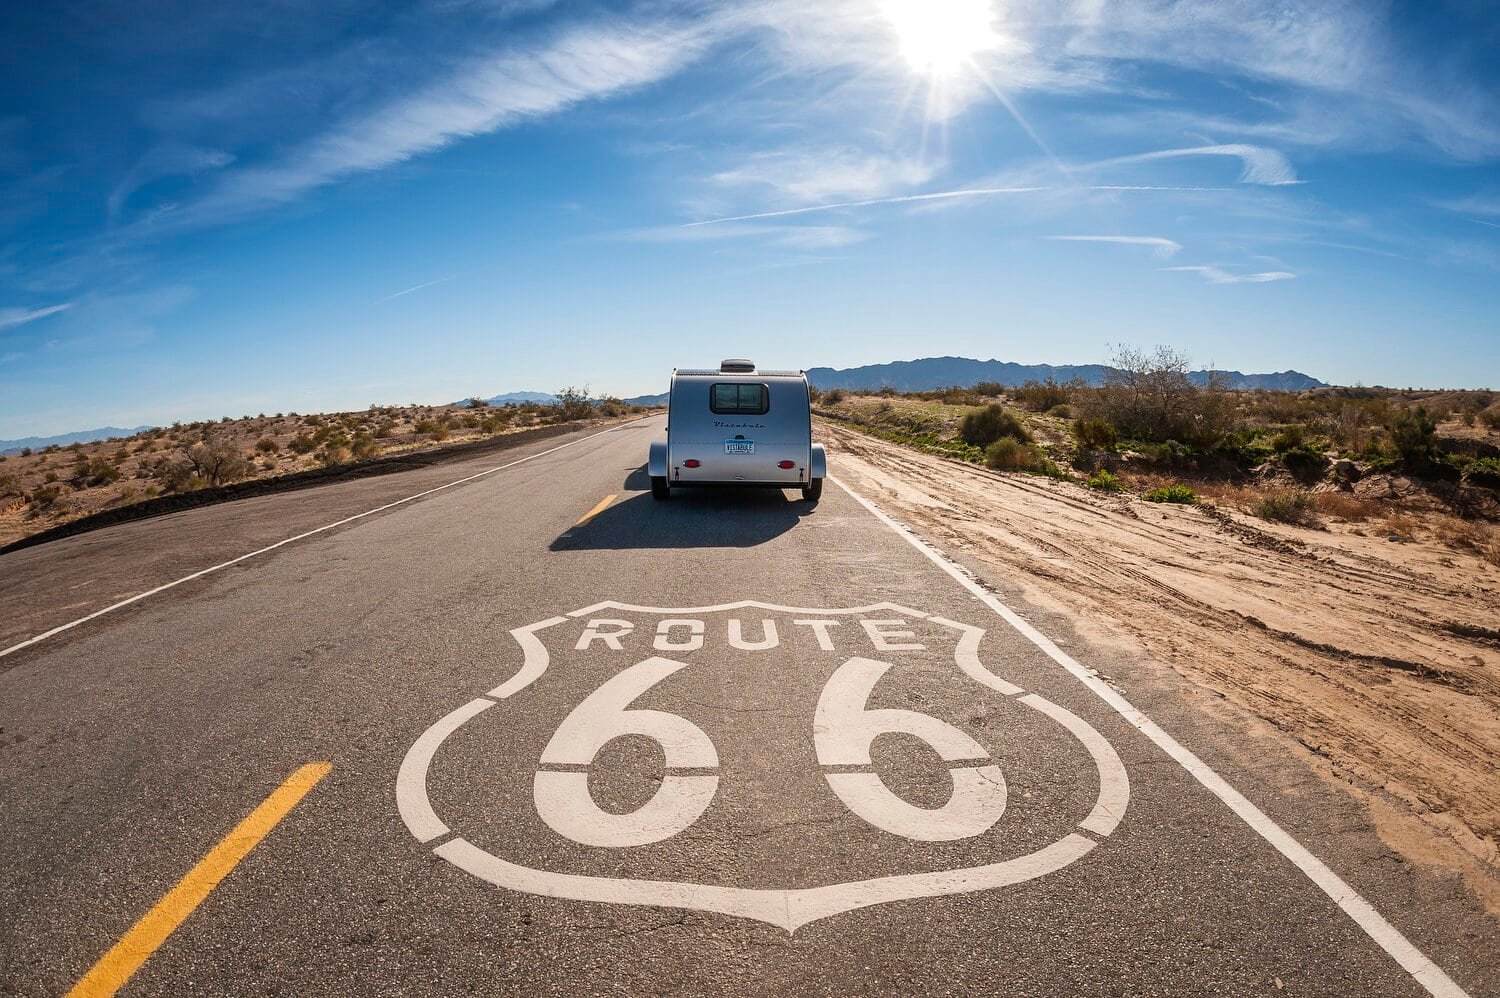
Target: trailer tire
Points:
(659, 487)
(813, 490)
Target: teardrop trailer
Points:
(738, 426)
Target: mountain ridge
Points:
(9, 447)
(927, 373)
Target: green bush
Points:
(267, 446)
(983, 427)
(1010, 454)
(1414, 435)
(302, 444)
(833, 396)
(1483, 471)
(1285, 507)
(1097, 433)
(1105, 482)
(1176, 493)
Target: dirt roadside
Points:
(1382, 659)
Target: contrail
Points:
(937, 196)
(419, 287)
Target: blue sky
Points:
(211, 208)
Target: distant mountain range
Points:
(63, 439)
(947, 372)
(514, 398)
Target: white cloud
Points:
(1215, 275)
(20, 316)
(1162, 247)
(972, 192)
(1260, 165)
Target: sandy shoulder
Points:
(1381, 658)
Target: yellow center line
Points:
(146, 936)
(603, 505)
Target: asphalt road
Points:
(731, 743)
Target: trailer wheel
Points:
(659, 487)
(813, 490)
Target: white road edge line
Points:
(37, 639)
(1385, 935)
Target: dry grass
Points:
(1343, 506)
(1481, 539)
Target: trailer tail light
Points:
(786, 464)
(691, 462)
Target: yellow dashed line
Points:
(603, 505)
(146, 936)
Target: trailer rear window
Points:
(739, 399)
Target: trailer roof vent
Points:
(737, 366)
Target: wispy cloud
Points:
(1215, 275)
(1159, 245)
(792, 236)
(823, 174)
(509, 87)
(1260, 165)
(904, 199)
(20, 316)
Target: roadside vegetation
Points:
(45, 488)
(1403, 462)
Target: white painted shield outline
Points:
(790, 909)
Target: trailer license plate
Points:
(739, 447)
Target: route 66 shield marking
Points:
(654, 652)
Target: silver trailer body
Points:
(738, 426)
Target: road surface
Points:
(538, 733)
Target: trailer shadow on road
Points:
(724, 517)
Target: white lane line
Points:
(290, 540)
(1386, 935)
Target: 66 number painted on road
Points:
(845, 727)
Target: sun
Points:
(940, 38)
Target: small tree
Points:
(1414, 435)
(217, 461)
(574, 403)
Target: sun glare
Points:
(939, 37)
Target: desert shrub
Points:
(1097, 433)
(50, 476)
(26, 452)
(1481, 539)
(266, 445)
(1483, 471)
(497, 420)
(1291, 437)
(10, 485)
(334, 455)
(1175, 493)
(1414, 435)
(833, 396)
(45, 497)
(1285, 506)
(127, 494)
(475, 402)
(989, 389)
(1039, 396)
(1010, 454)
(983, 427)
(302, 444)
(427, 426)
(469, 421)
(1490, 418)
(384, 429)
(1061, 411)
(574, 403)
(216, 460)
(98, 471)
(1105, 482)
(364, 446)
